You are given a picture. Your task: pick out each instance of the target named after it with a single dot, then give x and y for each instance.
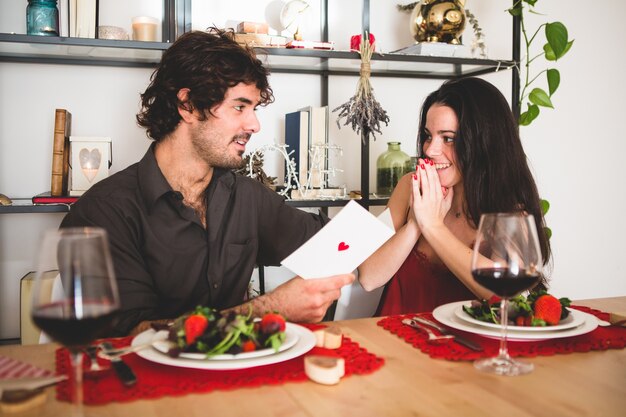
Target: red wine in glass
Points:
(83, 306)
(70, 330)
(503, 282)
(506, 259)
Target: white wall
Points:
(574, 150)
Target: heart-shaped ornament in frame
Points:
(90, 162)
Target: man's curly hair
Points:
(208, 64)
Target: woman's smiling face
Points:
(440, 133)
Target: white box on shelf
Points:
(91, 159)
(435, 49)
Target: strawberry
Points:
(548, 309)
(494, 299)
(519, 320)
(248, 346)
(195, 325)
(272, 323)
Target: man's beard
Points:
(207, 149)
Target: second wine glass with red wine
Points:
(506, 260)
(84, 306)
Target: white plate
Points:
(160, 343)
(446, 315)
(305, 341)
(575, 319)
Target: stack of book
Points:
(256, 34)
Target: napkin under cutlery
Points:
(617, 319)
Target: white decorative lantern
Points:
(90, 161)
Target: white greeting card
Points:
(343, 244)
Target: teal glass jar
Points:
(390, 167)
(42, 18)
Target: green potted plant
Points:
(556, 46)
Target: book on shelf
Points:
(83, 18)
(48, 198)
(297, 140)
(318, 135)
(64, 17)
(60, 152)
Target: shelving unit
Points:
(103, 52)
(24, 205)
(78, 51)
(177, 19)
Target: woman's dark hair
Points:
(489, 152)
(208, 64)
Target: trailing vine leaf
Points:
(545, 206)
(548, 232)
(556, 46)
(540, 98)
(549, 53)
(529, 115)
(556, 35)
(554, 79)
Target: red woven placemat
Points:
(155, 380)
(602, 338)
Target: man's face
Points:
(221, 139)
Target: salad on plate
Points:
(538, 309)
(209, 332)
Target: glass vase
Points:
(391, 165)
(42, 18)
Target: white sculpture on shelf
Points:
(319, 173)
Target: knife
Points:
(123, 371)
(459, 339)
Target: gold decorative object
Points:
(4, 200)
(438, 21)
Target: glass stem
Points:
(76, 358)
(504, 321)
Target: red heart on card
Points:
(342, 246)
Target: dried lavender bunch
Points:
(407, 7)
(363, 112)
(479, 39)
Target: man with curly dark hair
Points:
(184, 229)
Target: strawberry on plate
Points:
(195, 325)
(548, 308)
(272, 323)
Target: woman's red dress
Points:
(420, 286)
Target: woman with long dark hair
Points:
(471, 162)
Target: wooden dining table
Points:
(410, 383)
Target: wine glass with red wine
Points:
(85, 299)
(506, 260)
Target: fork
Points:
(432, 337)
(112, 353)
(94, 367)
